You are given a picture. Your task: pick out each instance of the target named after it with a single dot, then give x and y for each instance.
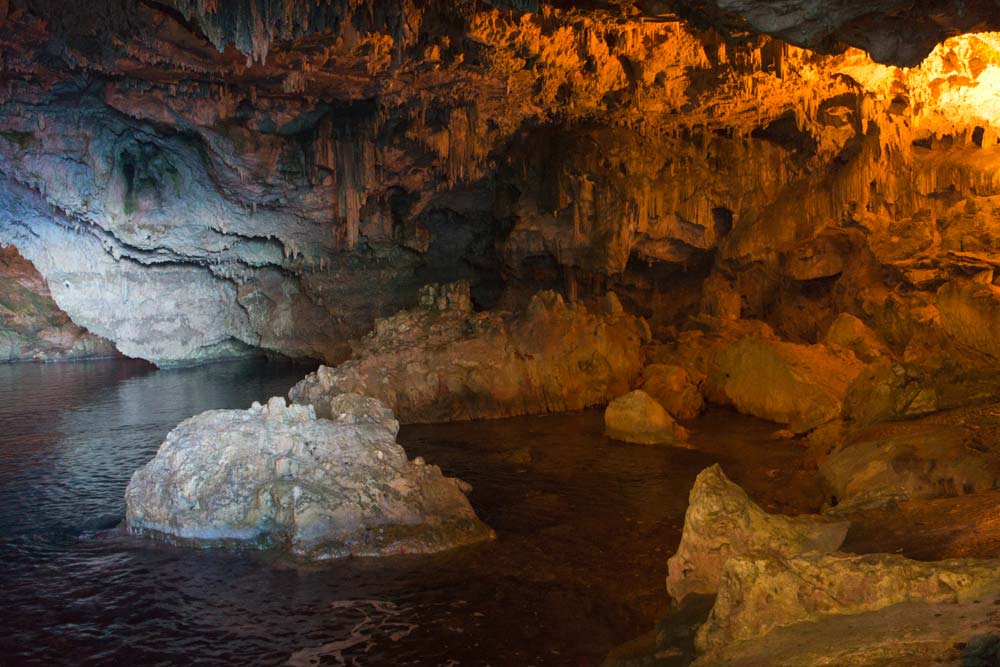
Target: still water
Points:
(584, 528)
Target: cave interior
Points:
(762, 234)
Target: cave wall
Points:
(32, 328)
(211, 180)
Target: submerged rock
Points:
(672, 387)
(758, 594)
(637, 417)
(442, 362)
(800, 385)
(278, 477)
(722, 522)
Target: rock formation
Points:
(302, 168)
(849, 332)
(444, 362)
(743, 363)
(799, 385)
(945, 454)
(277, 477)
(909, 633)
(673, 388)
(758, 594)
(637, 417)
(722, 523)
(32, 328)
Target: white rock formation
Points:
(278, 477)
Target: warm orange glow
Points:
(955, 89)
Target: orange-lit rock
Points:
(852, 334)
(722, 522)
(672, 387)
(517, 149)
(970, 313)
(759, 594)
(443, 362)
(945, 454)
(638, 417)
(802, 386)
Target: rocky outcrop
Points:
(32, 328)
(444, 362)
(802, 386)
(885, 391)
(759, 594)
(672, 387)
(850, 333)
(637, 417)
(277, 477)
(970, 312)
(946, 454)
(722, 523)
(910, 633)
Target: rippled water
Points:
(584, 527)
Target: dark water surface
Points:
(584, 528)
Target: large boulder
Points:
(673, 388)
(636, 417)
(850, 333)
(944, 454)
(884, 391)
(722, 522)
(278, 477)
(696, 348)
(802, 386)
(970, 313)
(908, 634)
(758, 594)
(442, 362)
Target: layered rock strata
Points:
(302, 168)
(759, 594)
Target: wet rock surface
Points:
(444, 362)
(797, 607)
(276, 477)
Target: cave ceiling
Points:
(301, 168)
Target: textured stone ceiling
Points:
(892, 31)
(200, 178)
